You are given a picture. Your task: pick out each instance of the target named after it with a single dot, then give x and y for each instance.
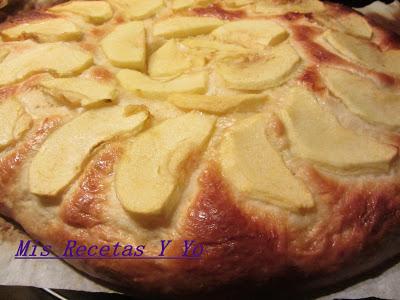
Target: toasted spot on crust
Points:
(305, 36)
(357, 215)
(311, 78)
(84, 208)
(7, 92)
(27, 17)
(11, 163)
(217, 11)
(102, 74)
(230, 237)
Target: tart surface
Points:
(267, 131)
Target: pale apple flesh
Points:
(180, 27)
(125, 46)
(316, 135)
(214, 104)
(60, 159)
(134, 81)
(80, 91)
(259, 72)
(365, 52)
(50, 30)
(251, 33)
(168, 60)
(138, 9)
(152, 167)
(14, 121)
(96, 12)
(255, 169)
(44, 58)
(363, 97)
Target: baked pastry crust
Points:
(244, 238)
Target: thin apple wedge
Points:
(80, 91)
(96, 12)
(180, 27)
(316, 135)
(152, 168)
(251, 33)
(125, 46)
(363, 97)
(214, 104)
(195, 83)
(61, 157)
(48, 30)
(261, 71)
(14, 121)
(256, 170)
(168, 60)
(44, 58)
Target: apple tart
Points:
(265, 131)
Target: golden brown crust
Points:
(242, 239)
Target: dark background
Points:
(360, 3)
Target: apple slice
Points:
(125, 46)
(61, 157)
(363, 97)
(44, 58)
(259, 72)
(256, 170)
(209, 45)
(251, 33)
(180, 27)
(195, 83)
(48, 30)
(95, 12)
(152, 168)
(316, 135)
(80, 91)
(352, 24)
(365, 52)
(138, 9)
(238, 3)
(14, 121)
(214, 104)
(272, 7)
(168, 60)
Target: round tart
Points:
(265, 132)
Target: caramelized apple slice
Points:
(137, 82)
(125, 47)
(14, 121)
(214, 104)
(50, 30)
(255, 169)
(96, 12)
(180, 27)
(62, 155)
(152, 167)
(259, 72)
(316, 135)
(44, 58)
(81, 91)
